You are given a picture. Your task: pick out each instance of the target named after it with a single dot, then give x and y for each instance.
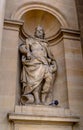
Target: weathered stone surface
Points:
(40, 116)
(66, 47)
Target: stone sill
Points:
(21, 117)
(40, 113)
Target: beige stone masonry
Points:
(8, 70)
(2, 11)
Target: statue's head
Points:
(39, 32)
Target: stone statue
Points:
(38, 68)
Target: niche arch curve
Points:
(21, 10)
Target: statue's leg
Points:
(46, 87)
(36, 94)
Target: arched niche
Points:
(28, 6)
(33, 18)
(51, 25)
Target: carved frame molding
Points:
(19, 11)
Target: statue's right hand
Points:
(28, 57)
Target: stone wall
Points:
(79, 4)
(66, 48)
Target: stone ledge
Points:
(40, 113)
(10, 24)
(21, 117)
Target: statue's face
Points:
(39, 32)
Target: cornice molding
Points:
(62, 33)
(71, 33)
(26, 118)
(39, 114)
(10, 24)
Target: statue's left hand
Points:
(49, 60)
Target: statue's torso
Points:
(38, 50)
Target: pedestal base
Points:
(42, 117)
